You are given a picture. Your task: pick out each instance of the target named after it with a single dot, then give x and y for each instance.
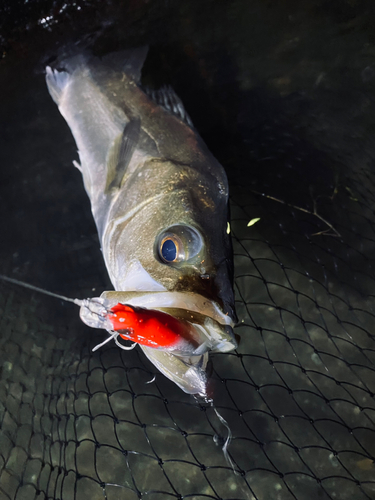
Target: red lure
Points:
(148, 327)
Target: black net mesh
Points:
(298, 394)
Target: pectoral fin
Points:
(121, 154)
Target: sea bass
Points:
(160, 203)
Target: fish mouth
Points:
(203, 313)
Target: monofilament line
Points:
(227, 441)
(78, 302)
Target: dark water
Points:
(284, 96)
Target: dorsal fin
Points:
(128, 61)
(121, 153)
(169, 100)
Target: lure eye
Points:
(178, 244)
(171, 249)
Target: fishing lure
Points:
(148, 327)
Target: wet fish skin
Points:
(147, 172)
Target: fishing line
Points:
(237, 472)
(217, 439)
(78, 302)
(227, 441)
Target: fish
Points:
(159, 199)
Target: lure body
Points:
(151, 328)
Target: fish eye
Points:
(171, 249)
(178, 244)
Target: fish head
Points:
(174, 237)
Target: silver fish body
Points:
(159, 199)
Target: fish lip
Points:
(188, 301)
